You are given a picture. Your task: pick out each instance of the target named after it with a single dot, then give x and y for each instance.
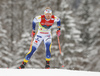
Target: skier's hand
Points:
(58, 33)
(33, 34)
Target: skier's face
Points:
(48, 15)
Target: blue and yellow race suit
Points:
(43, 34)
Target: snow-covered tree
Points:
(5, 54)
(87, 19)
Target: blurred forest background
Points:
(80, 33)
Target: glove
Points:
(58, 33)
(33, 34)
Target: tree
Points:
(87, 20)
(5, 55)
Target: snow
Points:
(45, 72)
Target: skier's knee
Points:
(48, 46)
(48, 56)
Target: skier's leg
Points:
(48, 50)
(47, 42)
(37, 41)
(48, 54)
(29, 54)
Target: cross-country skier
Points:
(44, 34)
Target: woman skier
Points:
(44, 34)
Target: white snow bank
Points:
(45, 72)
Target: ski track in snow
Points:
(45, 72)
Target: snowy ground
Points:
(45, 72)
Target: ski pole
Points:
(31, 44)
(59, 44)
(60, 51)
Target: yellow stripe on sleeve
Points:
(55, 17)
(38, 17)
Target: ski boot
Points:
(47, 65)
(22, 65)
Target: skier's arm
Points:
(35, 20)
(58, 26)
(58, 22)
(33, 25)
